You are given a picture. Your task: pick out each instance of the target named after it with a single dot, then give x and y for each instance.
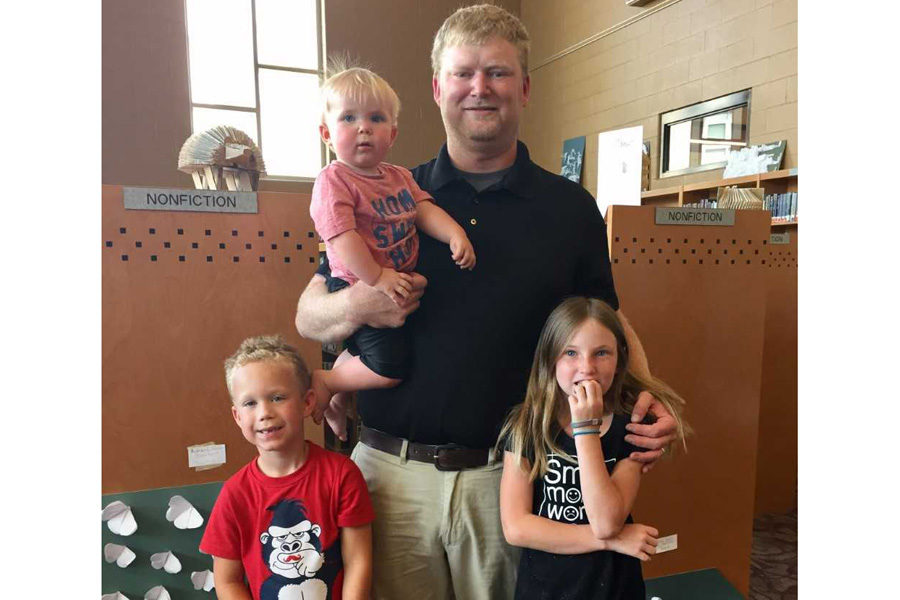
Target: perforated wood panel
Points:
(696, 297)
(180, 292)
(776, 472)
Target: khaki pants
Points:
(437, 534)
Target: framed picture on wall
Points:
(572, 159)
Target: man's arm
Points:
(356, 549)
(229, 579)
(333, 317)
(654, 437)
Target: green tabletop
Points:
(706, 584)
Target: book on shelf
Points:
(782, 206)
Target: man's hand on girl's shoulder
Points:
(656, 436)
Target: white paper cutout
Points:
(121, 555)
(119, 517)
(157, 593)
(114, 596)
(183, 514)
(166, 561)
(203, 579)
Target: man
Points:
(426, 444)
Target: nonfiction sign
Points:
(673, 215)
(780, 238)
(181, 200)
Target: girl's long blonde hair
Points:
(532, 426)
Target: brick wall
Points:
(686, 52)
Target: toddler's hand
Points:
(586, 402)
(396, 286)
(462, 251)
(635, 540)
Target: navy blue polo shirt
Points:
(538, 238)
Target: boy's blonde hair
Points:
(475, 25)
(266, 348)
(532, 427)
(357, 84)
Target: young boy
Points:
(297, 520)
(368, 211)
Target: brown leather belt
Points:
(445, 457)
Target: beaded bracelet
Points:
(585, 432)
(578, 424)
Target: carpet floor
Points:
(773, 560)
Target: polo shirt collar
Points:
(519, 179)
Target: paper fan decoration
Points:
(183, 514)
(203, 580)
(222, 158)
(114, 596)
(157, 593)
(166, 561)
(121, 555)
(119, 518)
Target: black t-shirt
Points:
(602, 575)
(538, 238)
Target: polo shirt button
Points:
(473, 222)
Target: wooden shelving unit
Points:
(774, 182)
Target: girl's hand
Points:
(635, 540)
(462, 251)
(586, 402)
(397, 286)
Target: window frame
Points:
(319, 71)
(694, 111)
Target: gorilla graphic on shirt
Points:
(292, 549)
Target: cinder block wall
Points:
(685, 52)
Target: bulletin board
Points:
(180, 290)
(154, 535)
(696, 296)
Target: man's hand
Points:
(635, 540)
(654, 437)
(462, 251)
(394, 285)
(377, 310)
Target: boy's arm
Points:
(434, 221)
(356, 549)
(229, 579)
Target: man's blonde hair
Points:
(475, 25)
(359, 85)
(266, 348)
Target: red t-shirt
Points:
(285, 530)
(381, 208)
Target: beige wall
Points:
(686, 52)
(146, 105)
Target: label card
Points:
(206, 455)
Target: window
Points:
(699, 137)
(256, 65)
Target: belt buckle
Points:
(437, 456)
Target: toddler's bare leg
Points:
(331, 388)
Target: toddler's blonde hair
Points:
(359, 84)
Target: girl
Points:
(568, 485)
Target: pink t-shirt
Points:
(381, 208)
